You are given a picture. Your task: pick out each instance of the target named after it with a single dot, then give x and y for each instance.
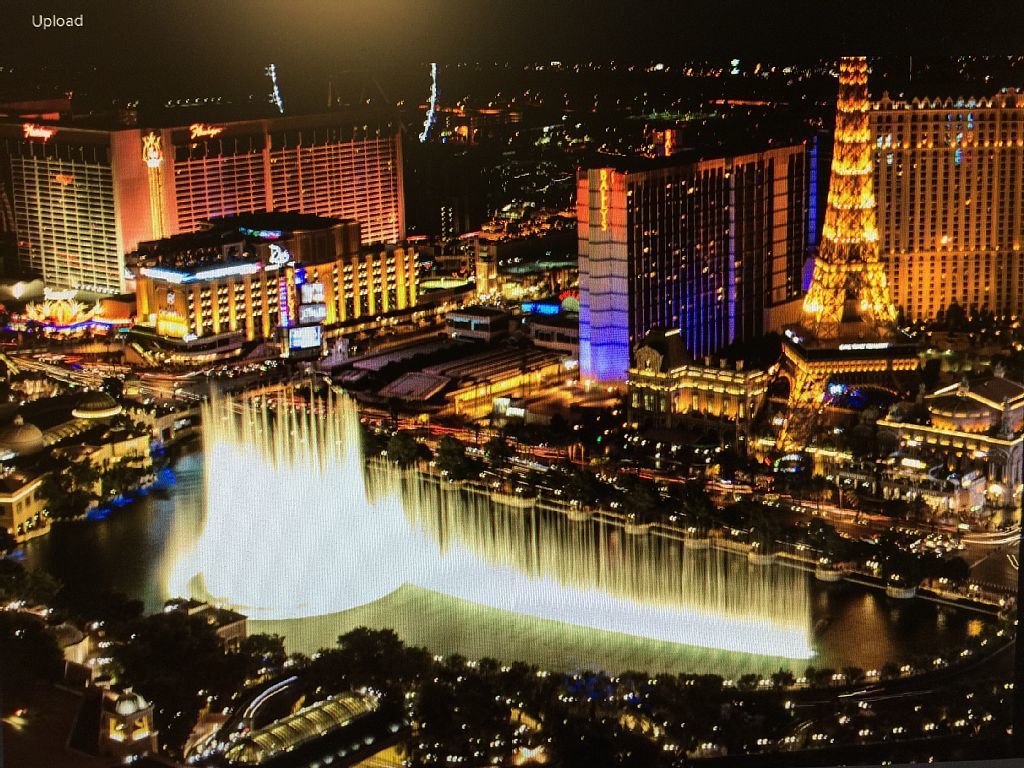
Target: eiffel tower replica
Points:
(847, 333)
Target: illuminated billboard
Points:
(312, 313)
(305, 337)
(312, 293)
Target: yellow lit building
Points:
(126, 726)
(965, 428)
(247, 277)
(668, 388)
(951, 202)
(22, 504)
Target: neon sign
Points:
(265, 234)
(279, 256)
(864, 345)
(64, 178)
(284, 318)
(33, 131)
(51, 294)
(173, 276)
(152, 152)
(604, 200)
(201, 130)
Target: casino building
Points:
(972, 429)
(287, 277)
(80, 198)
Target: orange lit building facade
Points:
(80, 199)
(949, 182)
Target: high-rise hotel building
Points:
(714, 246)
(80, 198)
(949, 184)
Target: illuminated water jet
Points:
(296, 525)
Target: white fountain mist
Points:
(297, 526)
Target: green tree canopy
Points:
(452, 458)
(69, 488)
(404, 449)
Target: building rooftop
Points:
(998, 388)
(670, 346)
(691, 155)
(262, 225)
(415, 385)
(480, 310)
(227, 243)
(226, 119)
(492, 363)
(302, 727)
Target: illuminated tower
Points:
(849, 279)
(847, 337)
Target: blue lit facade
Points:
(711, 247)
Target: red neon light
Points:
(33, 131)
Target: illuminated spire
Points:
(847, 266)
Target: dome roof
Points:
(129, 702)
(21, 438)
(96, 405)
(960, 407)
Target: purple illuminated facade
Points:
(712, 246)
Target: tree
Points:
(262, 653)
(957, 570)
(640, 497)
(783, 678)
(748, 682)
(765, 528)
(114, 609)
(404, 450)
(18, 583)
(69, 488)
(853, 675)
(451, 458)
(379, 659)
(955, 318)
(696, 506)
(169, 658)
(498, 452)
(120, 479)
(30, 655)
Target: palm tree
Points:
(70, 488)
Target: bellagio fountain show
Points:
(282, 516)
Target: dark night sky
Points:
(178, 47)
(183, 32)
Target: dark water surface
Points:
(131, 550)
